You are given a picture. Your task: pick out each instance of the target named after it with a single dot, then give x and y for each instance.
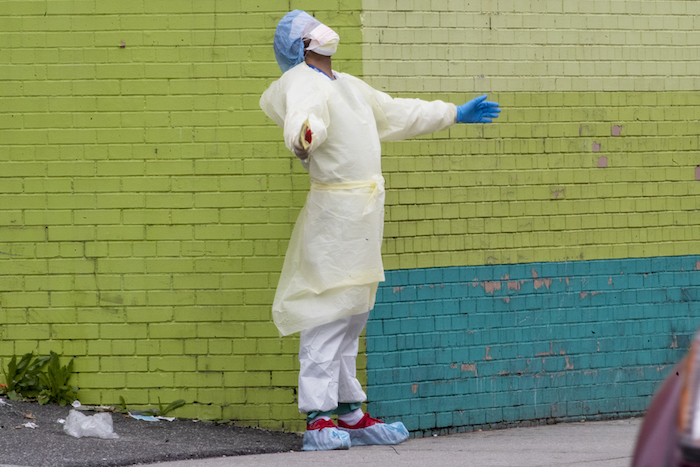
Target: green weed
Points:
(55, 383)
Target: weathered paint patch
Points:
(469, 367)
(491, 286)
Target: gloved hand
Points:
(302, 146)
(301, 153)
(478, 110)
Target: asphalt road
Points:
(139, 442)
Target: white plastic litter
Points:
(145, 418)
(31, 425)
(99, 425)
(77, 405)
(3, 402)
(150, 418)
(62, 421)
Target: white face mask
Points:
(324, 40)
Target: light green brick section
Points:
(531, 45)
(594, 155)
(560, 177)
(146, 201)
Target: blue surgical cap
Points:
(288, 43)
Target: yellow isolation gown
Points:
(334, 264)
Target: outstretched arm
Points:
(399, 118)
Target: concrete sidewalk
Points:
(589, 444)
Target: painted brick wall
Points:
(461, 348)
(146, 201)
(512, 243)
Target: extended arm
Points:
(399, 118)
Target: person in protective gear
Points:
(335, 123)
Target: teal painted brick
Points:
(528, 342)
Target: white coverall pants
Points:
(327, 370)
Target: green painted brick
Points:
(151, 347)
(195, 216)
(56, 282)
(75, 331)
(147, 281)
(172, 330)
(99, 347)
(230, 297)
(120, 266)
(172, 364)
(198, 379)
(216, 232)
(253, 329)
(112, 364)
(220, 330)
(22, 234)
(150, 314)
(196, 347)
(220, 347)
(271, 395)
(123, 347)
(149, 380)
(101, 380)
(247, 413)
(19, 299)
(285, 379)
(10, 218)
(71, 233)
(245, 346)
(220, 396)
(199, 314)
(123, 331)
(101, 281)
(182, 232)
(220, 363)
(269, 363)
(246, 379)
(120, 232)
(20, 332)
(169, 265)
(174, 298)
(212, 265)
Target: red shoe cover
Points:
(364, 422)
(320, 424)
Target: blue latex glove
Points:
(477, 110)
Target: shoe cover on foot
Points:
(323, 435)
(370, 431)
